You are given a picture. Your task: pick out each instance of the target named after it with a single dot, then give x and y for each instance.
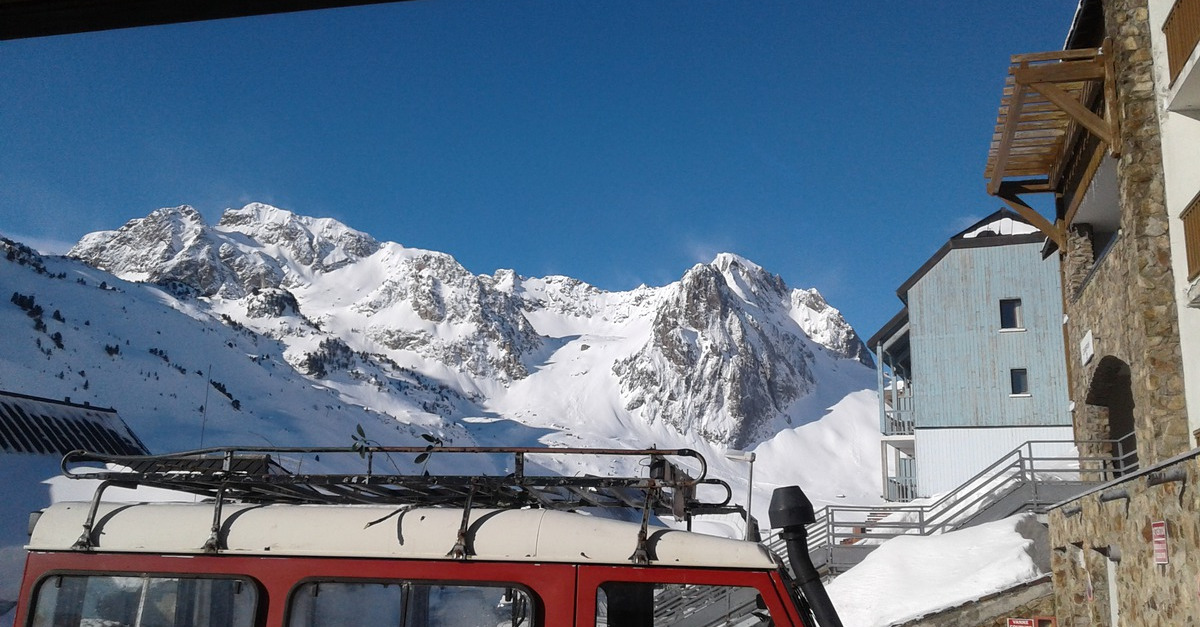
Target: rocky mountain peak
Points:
(252, 248)
(319, 244)
(826, 326)
(728, 354)
(171, 243)
(473, 323)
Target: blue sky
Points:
(619, 142)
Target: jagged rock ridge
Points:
(723, 354)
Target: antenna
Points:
(204, 407)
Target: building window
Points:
(1010, 314)
(1020, 381)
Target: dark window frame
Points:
(1018, 379)
(1012, 314)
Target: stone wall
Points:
(1031, 600)
(1102, 542)
(1127, 300)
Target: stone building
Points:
(1109, 128)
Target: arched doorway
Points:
(1111, 391)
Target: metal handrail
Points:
(849, 524)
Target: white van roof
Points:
(383, 531)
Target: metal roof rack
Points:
(255, 475)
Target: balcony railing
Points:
(903, 487)
(901, 490)
(1182, 29)
(897, 422)
(1191, 237)
(898, 413)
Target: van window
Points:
(635, 604)
(391, 604)
(143, 601)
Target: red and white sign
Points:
(1158, 536)
(1021, 622)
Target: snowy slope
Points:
(913, 576)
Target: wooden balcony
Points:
(1051, 101)
(1182, 29)
(1191, 236)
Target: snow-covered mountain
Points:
(306, 327)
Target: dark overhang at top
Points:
(40, 18)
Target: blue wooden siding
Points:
(961, 360)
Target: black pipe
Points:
(790, 511)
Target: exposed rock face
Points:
(271, 303)
(169, 245)
(464, 319)
(728, 354)
(826, 326)
(251, 248)
(322, 244)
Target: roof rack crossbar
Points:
(255, 475)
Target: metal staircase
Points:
(1027, 479)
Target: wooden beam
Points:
(1073, 71)
(1029, 213)
(1056, 55)
(1010, 127)
(1111, 114)
(1031, 186)
(1076, 110)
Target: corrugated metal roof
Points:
(29, 424)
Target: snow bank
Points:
(912, 576)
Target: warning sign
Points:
(1021, 622)
(1158, 536)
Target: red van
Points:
(261, 546)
